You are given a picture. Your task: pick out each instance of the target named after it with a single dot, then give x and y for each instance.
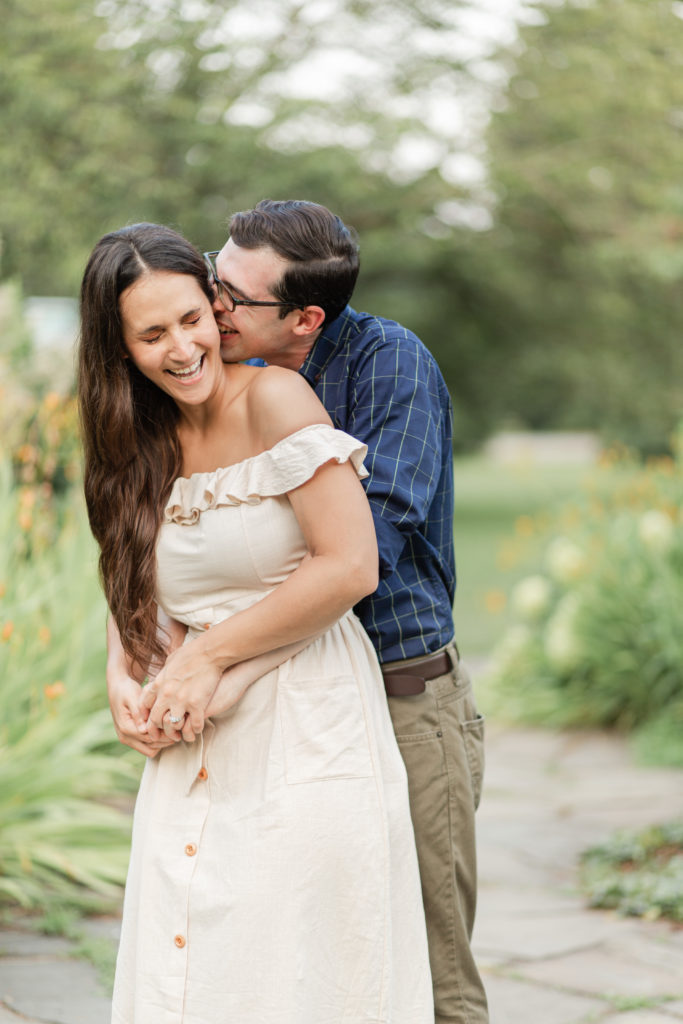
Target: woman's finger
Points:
(149, 695)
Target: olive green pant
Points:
(441, 737)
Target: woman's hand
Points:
(178, 697)
(129, 723)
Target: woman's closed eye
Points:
(188, 321)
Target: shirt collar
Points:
(329, 342)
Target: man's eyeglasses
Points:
(225, 295)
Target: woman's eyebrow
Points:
(161, 327)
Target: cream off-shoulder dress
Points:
(273, 875)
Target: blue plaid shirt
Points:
(379, 383)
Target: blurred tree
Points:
(177, 111)
(585, 157)
(548, 290)
(182, 112)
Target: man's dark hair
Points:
(322, 252)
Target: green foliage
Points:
(65, 835)
(638, 873)
(585, 153)
(597, 639)
(565, 312)
(496, 543)
(50, 453)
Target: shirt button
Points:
(202, 773)
(179, 941)
(190, 849)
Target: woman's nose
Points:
(182, 346)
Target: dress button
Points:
(207, 625)
(179, 941)
(202, 773)
(190, 849)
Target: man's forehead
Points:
(262, 265)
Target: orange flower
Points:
(26, 453)
(54, 690)
(27, 497)
(3, 589)
(44, 635)
(51, 401)
(495, 601)
(7, 631)
(524, 526)
(25, 521)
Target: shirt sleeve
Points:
(397, 411)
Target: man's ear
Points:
(308, 320)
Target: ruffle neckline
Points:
(288, 464)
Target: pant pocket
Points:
(473, 737)
(323, 730)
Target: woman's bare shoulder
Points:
(281, 402)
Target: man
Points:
(283, 282)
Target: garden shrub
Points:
(598, 633)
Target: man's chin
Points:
(229, 354)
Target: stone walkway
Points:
(544, 957)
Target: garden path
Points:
(545, 958)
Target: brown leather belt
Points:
(405, 680)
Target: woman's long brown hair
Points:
(130, 437)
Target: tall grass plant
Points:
(65, 783)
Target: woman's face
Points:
(171, 336)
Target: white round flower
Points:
(510, 648)
(656, 531)
(561, 642)
(565, 560)
(530, 597)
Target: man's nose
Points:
(217, 305)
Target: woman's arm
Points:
(124, 689)
(335, 519)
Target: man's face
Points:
(255, 331)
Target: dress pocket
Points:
(323, 730)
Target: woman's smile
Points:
(191, 373)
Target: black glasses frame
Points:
(225, 295)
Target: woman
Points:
(273, 876)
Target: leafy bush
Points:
(638, 873)
(597, 638)
(63, 776)
(38, 414)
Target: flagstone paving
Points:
(545, 958)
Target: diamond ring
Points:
(175, 718)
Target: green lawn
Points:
(497, 511)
